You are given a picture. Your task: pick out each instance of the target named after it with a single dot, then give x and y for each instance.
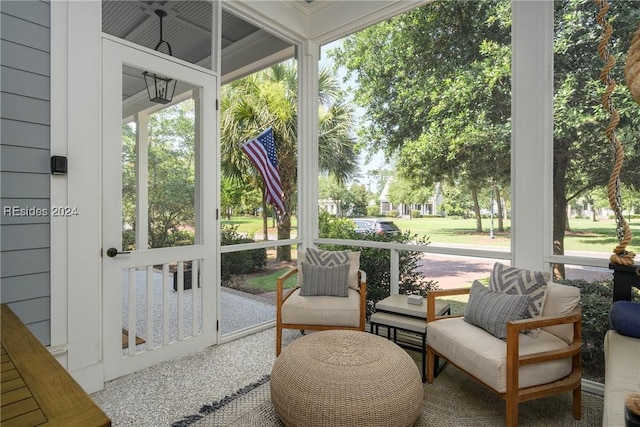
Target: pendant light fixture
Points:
(160, 89)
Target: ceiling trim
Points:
(261, 64)
(321, 21)
(278, 17)
(236, 61)
(341, 18)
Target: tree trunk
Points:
(284, 233)
(283, 253)
(559, 209)
(500, 210)
(476, 210)
(265, 224)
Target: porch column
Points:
(308, 54)
(532, 132)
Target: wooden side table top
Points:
(36, 389)
(398, 304)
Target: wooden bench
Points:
(36, 389)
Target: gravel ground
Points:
(239, 310)
(168, 392)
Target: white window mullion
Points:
(142, 181)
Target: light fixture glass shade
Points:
(160, 89)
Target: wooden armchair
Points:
(294, 311)
(522, 368)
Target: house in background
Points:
(72, 75)
(428, 207)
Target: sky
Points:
(377, 160)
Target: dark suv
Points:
(375, 225)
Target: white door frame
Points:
(115, 53)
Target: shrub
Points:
(376, 262)
(128, 240)
(415, 213)
(335, 227)
(180, 238)
(239, 262)
(373, 211)
(392, 214)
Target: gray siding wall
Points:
(24, 162)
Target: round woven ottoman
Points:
(345, 378)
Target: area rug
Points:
(453, 400)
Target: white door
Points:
(160, 180)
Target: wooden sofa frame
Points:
(514, 395)
(281, 298)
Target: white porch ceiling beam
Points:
(338, 19)
(281, 18)
(320, 21)
(248, 55)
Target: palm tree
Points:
(270, 98)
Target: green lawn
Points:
(585, 235)
(251, 224)
(268, 283)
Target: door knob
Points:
(111, 252)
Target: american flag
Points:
(262, 153)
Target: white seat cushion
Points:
(484, 356)
(561, 300)
(322, 310)
(622, 370)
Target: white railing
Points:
(157, 307)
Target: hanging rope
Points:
(632, 67)
(620, 255)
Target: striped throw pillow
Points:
(492, 310)
(324, 281)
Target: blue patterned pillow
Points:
(492, 310)
(324, 281)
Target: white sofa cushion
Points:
(622, 370)
(484, 356)
(322, 310)
(561, 299)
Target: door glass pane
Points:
(171, 170)
(158, 166)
